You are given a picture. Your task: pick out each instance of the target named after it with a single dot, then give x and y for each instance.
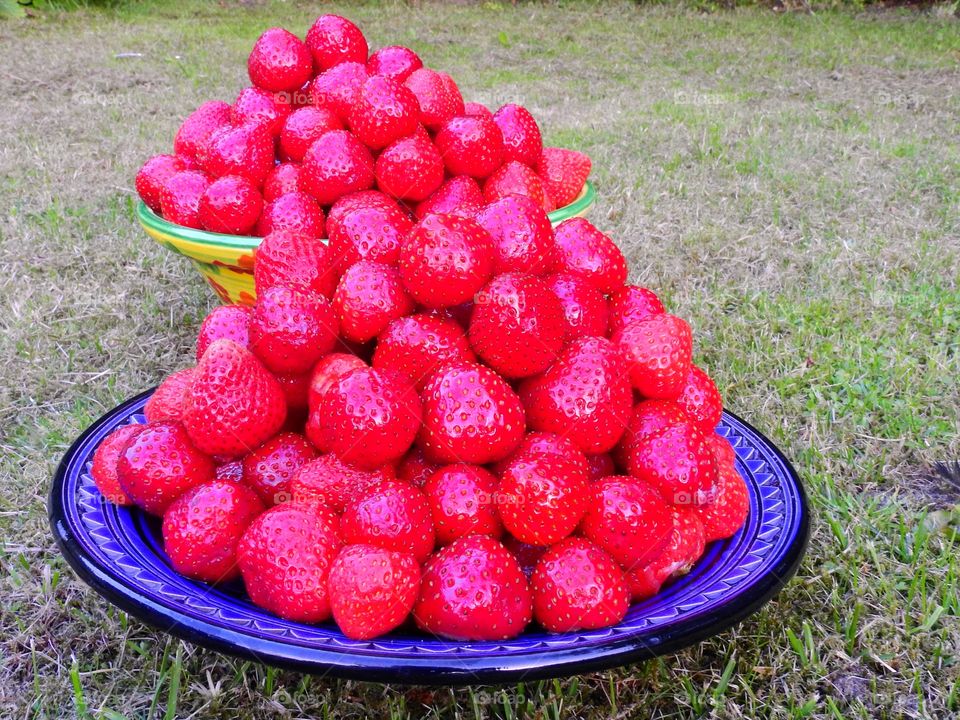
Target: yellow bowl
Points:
(226, 261)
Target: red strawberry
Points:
(600, 466)
(285, 557)
(462, 500)
(475, 109)
(630, 304)
(585, 251)
(230, 471)
(394, 61)
(445, 260)
(303, 127)
(470, 415)
(167, 400)
(542, 498)
(521, 134)
(294, 212)
(159, 464)
(259, 107)
(526, 554)
(418, 344)
(234, 404)
(723, 451)
(291, 328)
(372, 416)
(517, 326)
(280, 61)
(246, 150)
(677, 461)
(522, 233)
(514, 178)
(270, 467)
(682, 550)
(105, 459)
(659, 352)
(473, 589)
(544, 443)
(301, 261)
(198, 127)
(647, 418)
(354, 201)
(701, 400)
(410, 168)
(394, 516)
(296, 388)
(371, 232)
(577, 586)
(564, 173)
(330, 481)
(584, 307)
(369, 296)
(385, 111)
(471, 146)
(333, 40)
(180, 197)
(230, 205)
(414, 469)
(459, 195)
(154, 174)
(336, 164)
(728, 510)
(225, 321)
(202, 528)
(628, 520)
(338, 88)
(372, 590)
(283, 179)
(584, 396)
(326, 372)
(438, 97)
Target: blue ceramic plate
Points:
(117, 551)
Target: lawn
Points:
(789, 183)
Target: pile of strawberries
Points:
(323, 120)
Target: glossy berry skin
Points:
(333, 40)
(394, 61)
(445, 260)
(438, 97)
(647, 418)
(541, 498)
(334, 165)
(564, 173)
(372, 590)
(280, 61)
(167, 400)
(159, 464)
(225, 321)
(371, 232)
(245, 150)
(473, 589)
(372, 415)
(410, 168)
(326, 372)
(384, 111)
(285, 557)
(416, 345)
(470, 414)
(370, 295)
(630, 304)
(546, 443)
(584, 307)
(230, 205)
(180, 198)
(517, 326)
(234, 404)
(152, 176)
(337, 88)
(659, 352)
(331, 482)
(230, 471)
(105, 459)
(394, 516)
(198, 127)
(459, 196)
(462, 502)
(683, 549)
(471, 146)
(514, 178)
(475, 109)
(295, 212)
(294, 260)
(728, 509)
(415, 469)
(585, 251)
(202, 528)
(628, 520)
(283, 179)
(353, 201)
(295, 388)
(600, 466)
(577, 586)
(522, 234)
(677, 461)
(291, 329)
(521, 134)
(701, 400)
(254, 106)
(269, 469)
(723, 451)
(303, 127)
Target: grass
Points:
(789, 183)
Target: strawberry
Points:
(527, 555)
(326, 372)
(677, 461)
(354, 201)
(292, 328)
(445, 260)
(280, 61)
(728, 510)
(269, 469)
(372, 590)
(600, 466)
(230, 205)
(202, 528)
(517, 326)
(541, 498)
(392, 515)
(522, 234)
(105, 459)
(159, 464)
(521, 134)
(180, 197)
(197, 128)
(470, 415)
(330, 481)
(372, 416)
(584, 395)
(372, 232)
(659, 352)
(394, 61)
(333, 40)
(334, 165)
(296, 388)
(577, 586)
(462, 501)
(513, 178)
(294, 212)
(283, 179)
(234, 403)
(152, 176)
(683, 549)
(245, 150)
(254, 106)
(584, 307)
(459, 195)
(414, 469)
(723, 451)
(384, 111)
(475, 109)
(295, 260)
(473, 589)
(410, 168)
(369, 296)
(167, 400)
(225, 321)
(564, 173)
(418, 344)
(438, 97)
(630, 304)
(285, 557)
(302, 128)
(544, 443)
(647, 418)
(471, 146)
(337, 88)
(231, 471)
(628, 520)
(701, 400)
(585, 251)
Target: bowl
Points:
(226, 261)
